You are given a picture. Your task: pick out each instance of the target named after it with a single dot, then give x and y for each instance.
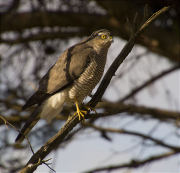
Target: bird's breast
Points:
(84, 85)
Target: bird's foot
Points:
(88, 107)
(80, 112)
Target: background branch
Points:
(150, 81)
(143, 111)
(122, 131)
(135, 163)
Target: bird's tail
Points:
(31, 122)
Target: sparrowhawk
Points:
(69, 80)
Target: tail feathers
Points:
(37, 98)
(30, 123)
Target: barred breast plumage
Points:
(83, 86)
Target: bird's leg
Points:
(79, 112)
(88, 107)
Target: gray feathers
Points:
(69, 67)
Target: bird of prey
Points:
(69, 80)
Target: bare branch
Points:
(135, 163)
(132, 133)
(6, 122)
(153, 79)
(47, 18)
(154, 112)
(32, 167)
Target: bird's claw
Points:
(88, 107)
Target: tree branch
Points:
(121, 131)
(48, 18)
(153, 79)
(32, 167)
(59, 137)
(135, 163)
(154, 112)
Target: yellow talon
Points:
(80, 112)
(88, 107)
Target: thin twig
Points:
(132, 133)
(148, 82)
(134, 163)
(6, 122)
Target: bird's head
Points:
(101, 39)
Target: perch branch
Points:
(59, 137)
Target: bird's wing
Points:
(62, 74)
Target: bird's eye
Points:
(103, 36)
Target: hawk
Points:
(69, 80)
